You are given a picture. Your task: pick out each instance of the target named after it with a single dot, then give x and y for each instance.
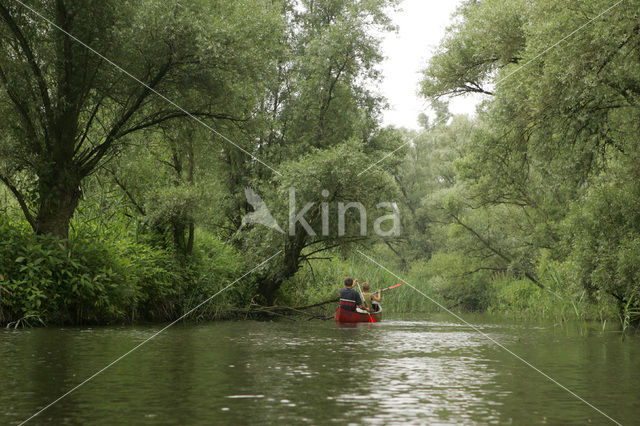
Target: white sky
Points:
(422, 25)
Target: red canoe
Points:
(342, 315)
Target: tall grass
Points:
(322, 280)
(503, 294)
(559, 301)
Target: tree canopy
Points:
(555, 136)
(138, 138)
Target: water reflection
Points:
(246, 372)
(420, 369)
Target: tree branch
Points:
(486, 268)
(493, 249)
(22, 110)
(89, 161)
(21, 201)
(172, 115)
(24, 44)
(126, 191)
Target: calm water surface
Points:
(426, 369)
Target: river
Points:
(422, 369)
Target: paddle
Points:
(390, 287)
(362, 295)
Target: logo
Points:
(262, 215)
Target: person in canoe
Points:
(349, 298)
(369, 298)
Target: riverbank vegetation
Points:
(118, 205)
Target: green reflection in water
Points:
(399, 371)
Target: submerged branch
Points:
(256, 311)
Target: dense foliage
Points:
(545, 187)
(100, 279)
(140, 129)
(118, 204)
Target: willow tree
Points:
(79, 78)
(321, 118)
(558, 130)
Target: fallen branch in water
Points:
(326, 302)
(256, 311)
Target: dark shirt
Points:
(349, 299)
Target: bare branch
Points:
(126, 191)
(22, 110)
(90, 160)
(23, 204)
(26, 49)
(488, 245)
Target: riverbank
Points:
(105, 278)
(503, 295)
(113, 277)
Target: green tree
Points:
(318, 109)
(558, 117)
(68, 110)
(329, 180)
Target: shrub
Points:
(93, 280)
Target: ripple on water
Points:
(394, 372)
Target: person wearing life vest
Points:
(349, 298)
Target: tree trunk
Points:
(191, 238)
(59, 192)
(178, 235)
(270, 285)
(190, 181)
